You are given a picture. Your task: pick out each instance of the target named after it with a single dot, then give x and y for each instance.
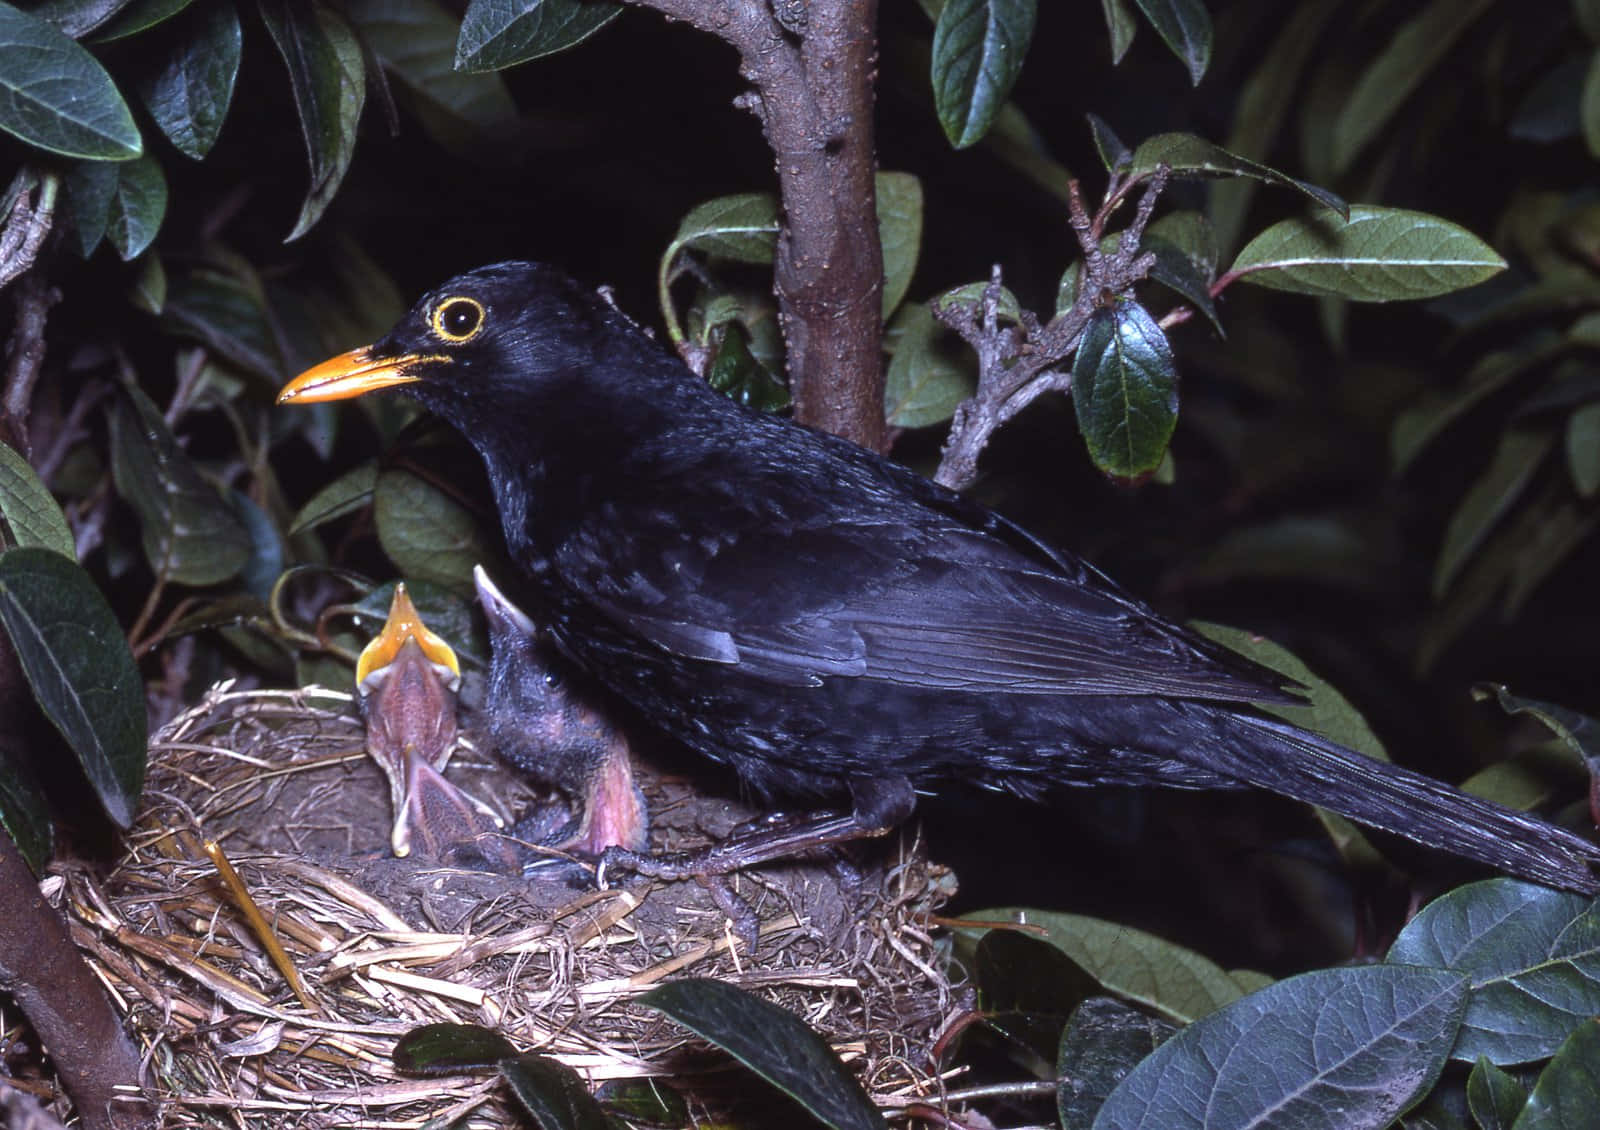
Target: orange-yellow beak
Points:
(404, 624)
(352, 374)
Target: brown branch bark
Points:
(813, 92)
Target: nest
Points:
(278, 783)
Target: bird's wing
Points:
(906, 596)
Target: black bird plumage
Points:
(826, 621)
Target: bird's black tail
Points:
(1300, 764)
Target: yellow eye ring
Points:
(458, 319)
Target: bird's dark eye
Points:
(552, 680)
(458, 319)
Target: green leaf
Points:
(1122, 26)
(77, 18)
(978, 49)
(1103, 1041)
(1378, 255)
(77, 661)
(1113, 152)
(137, 206)
(1418, 426)
(1567, 1094)
(86, 190)
(1583, 448)
(416, 39)
(56, 96)
(28, 513)
(149, 290)
(426, 533)
(1185, 27)
(743, 228)
(1589, 106)
(1125, 390)
(900, 232)
(773, 1043)
(1515, 460)
(1194, 157)
(735, 372)
(1175, 982)
(25, 813)
(328, 78)
(502, 33)
(1494, 1096)
(1533, 956)
(1578, 732)
(1175, 269)
(552, 1092)
(926, 378)
(1395, 74)
(1191, 233)
(189, 93)
(1588, 16)
(189, 532)
(1351, 1047)
(136, 17)
(345, 495)
(646, 1102)
(447, 1049)
(229, 315)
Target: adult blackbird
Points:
(828, 622)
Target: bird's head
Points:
(488, 342)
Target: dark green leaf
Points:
(743, 228)
(1015, 972)
(1122, 26)
(552, 1092)
(77, 18)
(1588, 15)
(189, 93)
(1145, 969)
(28, 513)
(1398, 70)
(56, 96)
(502, 33)
(1533, 955)
(25, 813)
(87, 189)
(1125, 390)
(328, 78)
(773, 1043)
(445, 1049)
(1583, 448)
(1578, 732)
(136, 17)
(1515, 460)
(1379, 255)
(1191, 233)
(345, 495)
(416, 39)
(1420, 425)
(1112, 150)
(1565, 525)
(1007, 309)
(190, 533)
(229, 315)
(926, 379)
(1567, 1095)
(427, 533)
(1351, 1047)
(77, 661)
(1190, 156)
(1173, 268)
(268, 553)
(1494, 1096)
(149, 290)
(1103, 1041)
(1589, 106)
(646, 1102)
(978, 49)
(1185, 27)
(900, 231)
(137, 206)
(735, 372)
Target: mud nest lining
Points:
(278, 780)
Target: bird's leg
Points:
(880, 803)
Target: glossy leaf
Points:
(416, 39)
(1191, 233)
(345, 495)
(446, 1049)
(772, 1042)
(25, 813)
(57, 96)
(77, 661)
(1189, 156)
(1007, 308)
(1350, 1047)
(502, 33)
(1175, 269)
(1379, 255)
(28, 513)
(1103, 1041)
(149, 290)
(735, 372)
(1121, 25)
(77, 18)
(138, 206)
(229, 315)
(978, 50)
(900, 232)
(646, 1103)
(553, 1094)
(1125, 390)
(1494, 1096)
(1567, 1094)
(743, 228)
(1516, 458)
(926, 377)
(1113, 152)
(1578, 732)
(189, 532)
(328, 79)
(426, 533)
(1175, 982)
(86, 192)
(1185, 27)
(1392, 77)
(136, 17)
(1533, 956)
(190, 91)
